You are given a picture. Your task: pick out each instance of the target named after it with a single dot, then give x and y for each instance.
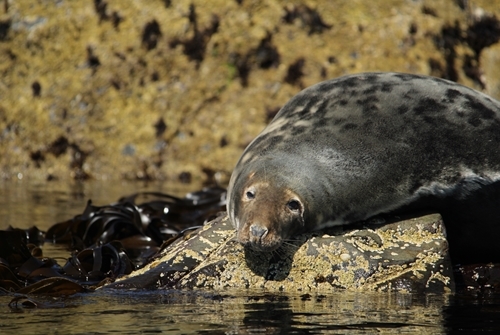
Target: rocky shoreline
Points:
(174, 90)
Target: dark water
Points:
(24, 204)
(195, 313)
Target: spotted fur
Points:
(361, 145)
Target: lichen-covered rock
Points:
(136, 89)
(410, 255)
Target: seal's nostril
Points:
(258, 231)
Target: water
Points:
(196, 313)
(23, 204)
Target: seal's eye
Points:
(250, 195)
(294, 205)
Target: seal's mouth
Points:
(261, 247)
(259, 238)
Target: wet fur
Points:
(363, 145)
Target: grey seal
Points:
(352, 148)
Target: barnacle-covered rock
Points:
(410, 255)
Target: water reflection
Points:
(24, 204)
(175, 312)
(186, 312)
(471, 314)
(341, 312)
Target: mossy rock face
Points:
(160, 89)
(410, 255)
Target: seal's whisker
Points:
(283, 251)
(288, 247)
(278, 252)
(293, 240)
(290, 244)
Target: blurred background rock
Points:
(174, 89)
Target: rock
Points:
(410, 256)
(154, 90)
(490, 64)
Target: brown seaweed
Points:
(106, 242)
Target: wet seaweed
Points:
(106, 242)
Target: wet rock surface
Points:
(410, 255)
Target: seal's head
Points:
(265, 213)
(273, 196)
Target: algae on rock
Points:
(409, 256)
(155, 89)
